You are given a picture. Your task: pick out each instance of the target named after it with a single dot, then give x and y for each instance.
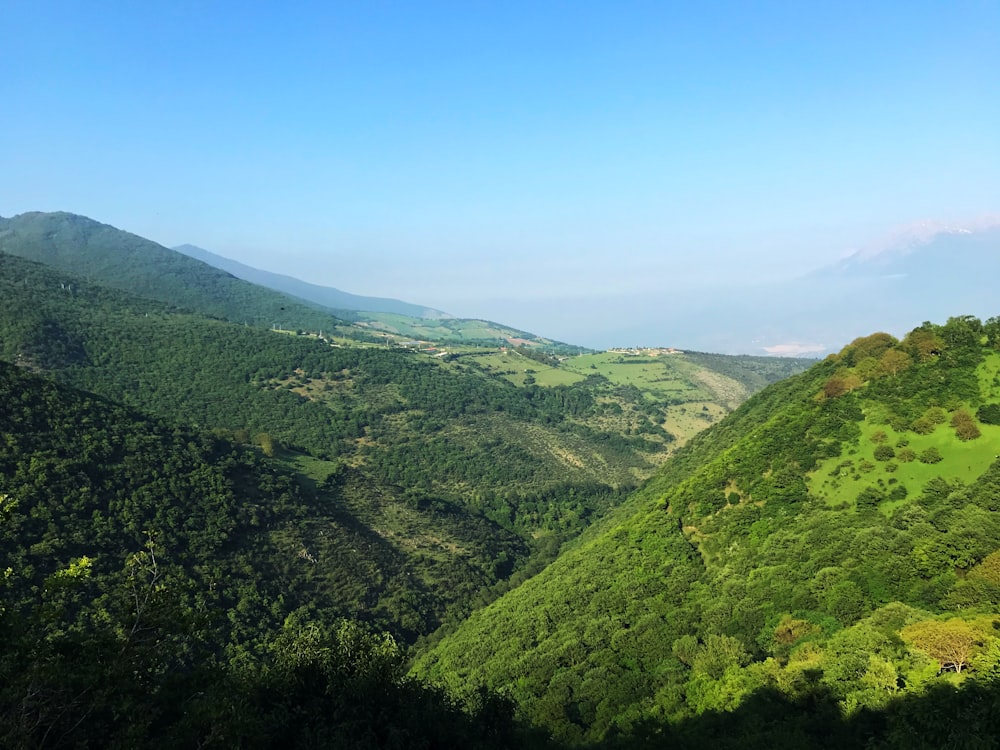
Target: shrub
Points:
(936, 415)
(884, 453)
(965, 425)
(989, 414)
(930, 456)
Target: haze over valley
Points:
(490, 376)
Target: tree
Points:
(965, 425)
(989, 414)
(884, 453)
(988, 569)
(924, 343)
(893, 362)
(951, 643)
(930, 456)
(840, 383)
(266, 443)
(936, 415)
(869, 346)
(718, 653)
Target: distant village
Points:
(642, 351)
(509, 344)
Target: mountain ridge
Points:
(329, 297)
(113, 257)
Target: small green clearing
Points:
(841, 479)
(662, 378)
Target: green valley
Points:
(529, 543)
(459, 483)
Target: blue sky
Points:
(535, 163)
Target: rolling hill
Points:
(818, 549)
(389, 319)
(102, 254)
(817, 569)
(446, 479)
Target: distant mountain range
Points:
(946, 273)
(931, 275)
(321, 295)
(108, 256)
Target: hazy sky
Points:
(505, 159)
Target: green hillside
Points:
(819, 569)
(683, 391)
(147, 599)
(102, 254)
(781, 557)
(453, 480)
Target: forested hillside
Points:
(828, 551)
(102, 254)
(147, 599)
(460, 478)
(86, 249)
(453, 479)
(824, 557)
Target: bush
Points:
(965, 425)
(930, 456)
(936, 415)
(884, 453)
(989, 414)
